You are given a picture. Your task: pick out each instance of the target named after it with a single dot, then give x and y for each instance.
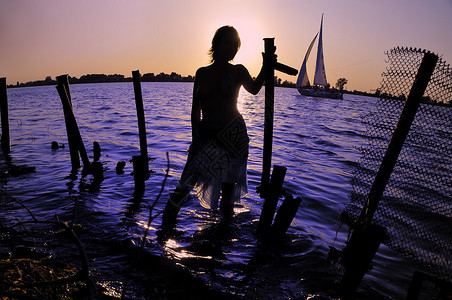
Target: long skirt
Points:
(219, 157)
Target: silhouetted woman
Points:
(217, 158)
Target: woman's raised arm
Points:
(253, 86)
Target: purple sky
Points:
(48, 38)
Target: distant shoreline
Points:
(103, 78)
(148, 77)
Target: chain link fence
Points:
(416, 207)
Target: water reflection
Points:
(315, 142)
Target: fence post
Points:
(75, 140)
(269, 48)
(66, 100)
(5, 140)
(286, 213)
(271, 198)
(271, 65)
(140, 163)
(96, 151)
(358, 255)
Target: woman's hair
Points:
(219, 35)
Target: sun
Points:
(252, 44)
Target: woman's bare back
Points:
(217, 91)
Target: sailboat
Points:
(320, 87)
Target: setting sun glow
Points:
(40, 38)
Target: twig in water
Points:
(83, 258)
(151, 208)
(82, 274)
(21, 204)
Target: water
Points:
(315, 139)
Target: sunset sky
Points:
(40, 38)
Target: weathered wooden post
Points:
(5, 141)
(270, 66)
(140, 163)
(269, 49)
(442, 287)
(66, 99)
(366, 238)
(75, 140)
(286, 213)
(271, 198)
(357, 257)
(270, 189)
(96, 151)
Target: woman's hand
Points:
(268, 58)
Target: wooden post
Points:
(285, 215)
(271, 198)
(285, 69)
(96, 151)
(358, 255)
(5, 141)
(140, 113)
(366, 238)
(269, 49)
(75, 140)
(141, 163)
(65, 100)
(270, 66)
(442, 286)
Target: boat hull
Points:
(320, 93)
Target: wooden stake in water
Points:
(358, 256)
(140, 163)
(140, 113)
(271, 65)
(74, 137)
(5, 142)
(271, 198)
(286, 214)
(96, 151)
(66, 102)
(269, 47)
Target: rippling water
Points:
(315, 139)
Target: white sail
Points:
(320, 75)
(303, 80)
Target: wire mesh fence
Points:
(416, 207)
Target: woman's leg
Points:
(226, 204)
(173, 206)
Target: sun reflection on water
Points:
(173, 248)
(145, 225)
(112, 288)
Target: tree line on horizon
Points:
(161, 77)
(148, 77)
(103, 78)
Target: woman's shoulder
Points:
(241, 70)
(203, 70)
(239, 67)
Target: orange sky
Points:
(48, 38)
